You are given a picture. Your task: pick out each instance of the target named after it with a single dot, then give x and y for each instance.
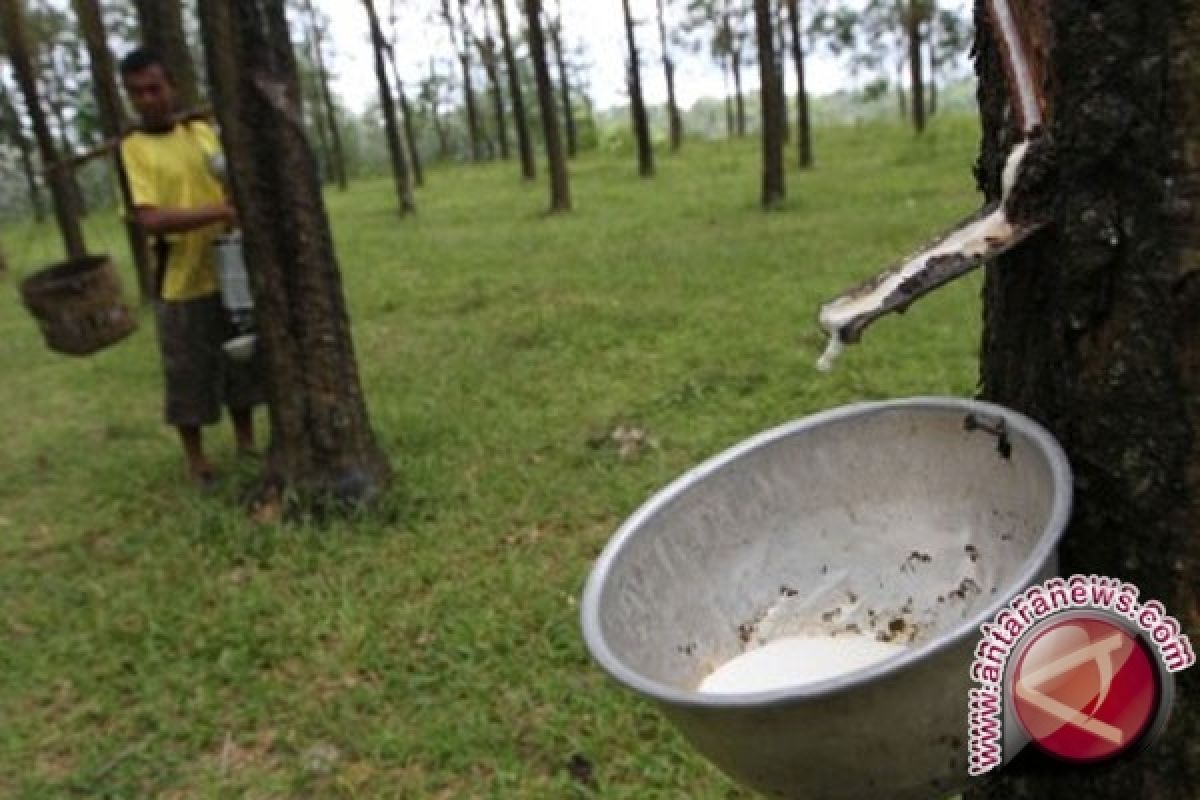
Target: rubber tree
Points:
(322, 450)
(520, 118)
(637, 105)
(560, 189)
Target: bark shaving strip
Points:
(977, 239)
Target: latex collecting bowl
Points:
(911, 521)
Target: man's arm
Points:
(154, 220)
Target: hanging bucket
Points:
(908, 520)
(78, 305)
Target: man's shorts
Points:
(200, 377)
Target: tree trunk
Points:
(112, 122)
(641, 125)
(322, 445)
(438, 129)
(161, 22)
(388, 108)
(730, 127)
(524, 140)
(674, 119)
(560, 190)
(487, 52)
(931, 45)
(1091, 328)
(410, 134)
(773, 188)
(564, 82)
(12, 26)
(330, 110)
(315, 112)
(916, 51)
(735, 61)
(803, 126)
(464, 61)
(13, 123)
(55, 101)
(780, 56)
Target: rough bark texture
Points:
(322, 445)
(803, 126)
(328, 107)
(564, 82)
(560, 190)
(637, 106)
(12, 27)
(773, 188)
(161, 22)
(913, 17)
(387, 106)
(1092, 328)
(112, 122)
(674, 119)
(524, 140)
(24, 149)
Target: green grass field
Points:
(155, 642)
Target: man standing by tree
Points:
(179, 201)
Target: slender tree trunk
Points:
(803, 126)
(773, 188)
(330, 109)
(641, 125)
(736, 63)
(464, 62)
(161, 22)
(913, 18)
(564, 82)
(901, 95)
(13, 123)
(560, 190)
(112, 122)
(931, 45)
(12, 27)
(438, 129)
(487, 52)
(316, 115)
(674, 119)
(1091, 328)
(322, 444)
(730, 127)
(388, 107)
(524, 140)
(410, 134)
(780, 60)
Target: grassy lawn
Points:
(155, 642)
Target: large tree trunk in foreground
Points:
(162, 29)
(112, 122)
(387, 106)
(803, 128)
(12, 27)
(524, 140)
(1093, 328)
(322, 444)
(560, 190)
(637, 106)
(773, 188)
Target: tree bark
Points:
(1092, 329)
(637, 107)
(773, 188)
(674, 119)
(564, 82)
(12, 26)
(464, 62)
(803, 125)
(24, 149)
(112, 122)
(330, 110)
(322, 446)
(780, 56)
(735, 61)
(410, 134)
(931, 45)
(524, 140)
(560, 190)
(387, 106)
(730, 126)
(487, 54)
(161, 22)
(315, 111)
(912, 20)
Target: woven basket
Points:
(78, 305)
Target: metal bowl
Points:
(913, 520)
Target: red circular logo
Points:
(1085, 689)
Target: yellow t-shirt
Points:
(170, 171)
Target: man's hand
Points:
(154, 220)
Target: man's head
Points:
(150, 88)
